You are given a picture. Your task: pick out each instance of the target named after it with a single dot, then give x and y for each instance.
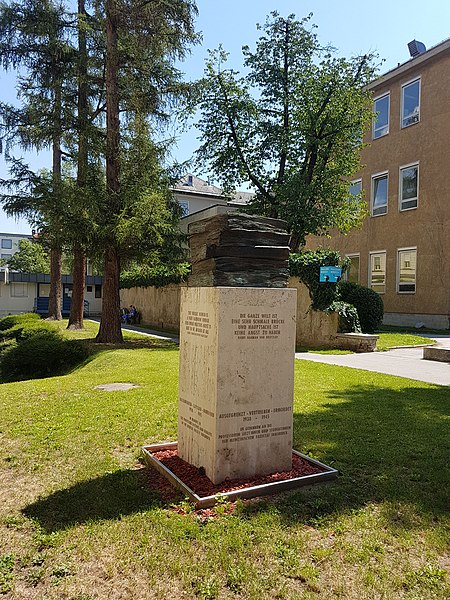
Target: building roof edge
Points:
(413, 62)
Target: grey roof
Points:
(15, 276)
(16, 235)
(191, 184)
(239, 197)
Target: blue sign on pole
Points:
(330, 274)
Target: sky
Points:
(353, 27)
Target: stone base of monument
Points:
(155, 456)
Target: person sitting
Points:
(133, 314)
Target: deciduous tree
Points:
(30, 258)
(292, 126)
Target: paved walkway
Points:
(152, 333)
(403, 362)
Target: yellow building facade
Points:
(402, 250)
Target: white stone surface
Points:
(236, 380)
(116, 387)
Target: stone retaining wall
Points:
(438, 354)
(160, 307)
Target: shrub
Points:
(31, 328)
(25, 329)
(44, 354)
(157, 276)
(4, 345)
(306, 266)
(12, 320)
(11, 333)
(367, 302)
(348, 317)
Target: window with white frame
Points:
(184, 204)
(19, 290)
(406, 270)
(411, 103)
(7, 244)
(379, 194)
(377, 272)
(381, 118)
(409, 186)
(5, 256)
(352, 273)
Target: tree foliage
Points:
(30, 258)
(154, 275)
(35, 38)
(108, 81)
(292, 126)
(143, 41)
(306, 266)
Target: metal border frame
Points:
(250, 492)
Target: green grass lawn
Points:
(393, 339)
(413, 330)
(79, 522)
(386, 341)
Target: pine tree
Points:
(143, 39)
(33, 37)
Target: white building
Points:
(28, 292)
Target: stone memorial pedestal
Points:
(236, 380)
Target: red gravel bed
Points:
(203, 486)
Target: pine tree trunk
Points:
(55, 296)
(112, 109)
(79, 280)
(110, 330)
(79, 258)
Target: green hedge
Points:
(150, 276)
(348, 317)
(368, 303)
(30, 329)
(306, 266)
(12, 320)
(44, 354)
(26, 329)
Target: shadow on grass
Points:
(94, 349)
(107, 497)
(390, 445)
(130, 344)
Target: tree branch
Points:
(283, 154)
(238, 146)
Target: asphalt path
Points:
(402, 362)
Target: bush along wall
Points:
(306, 266)
(32, 349)
(359, 308)
(368, 304)
(151, 276)
(348, 317)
